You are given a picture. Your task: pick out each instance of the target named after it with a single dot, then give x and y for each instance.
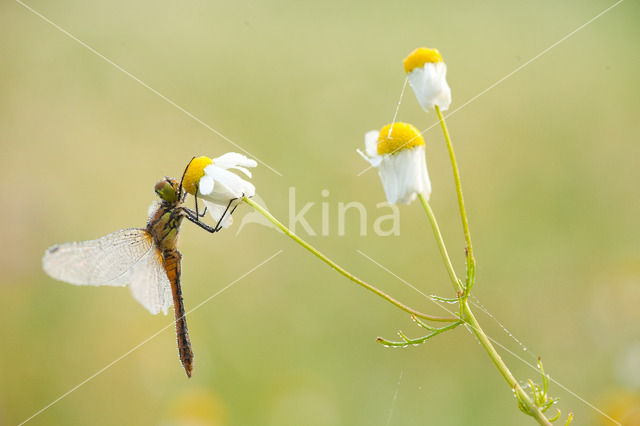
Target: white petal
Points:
(248, 189)
(229, 185)
(371, 143)
(227, 181)
(424, 178)
(404, 175)
(231, 159)
(242, 169)
(374, 161)
(429, 83)
(389, 181)
(205, 187)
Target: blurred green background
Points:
(550, 167)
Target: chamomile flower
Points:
(397, 150)
(215, 184)
(427, 75)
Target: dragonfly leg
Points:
(193, 217)
(205, 207)
(234, 207)
(232, 210)
(219, 224)
(180, 194)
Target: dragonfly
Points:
(146, 259)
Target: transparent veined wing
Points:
(128, 256)
(149, 283)
(104, 261)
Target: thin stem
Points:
(414, 342)
(341, 270)
(471, 262)
(523, 398)
(443, 249)
(532, 409)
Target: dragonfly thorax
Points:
(164, 221)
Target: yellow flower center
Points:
(398, 136)
(194, 173)
(419, 57)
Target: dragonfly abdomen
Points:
(171, 260)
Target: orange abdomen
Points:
(171, 260)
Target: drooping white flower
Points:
(427, 75)
(397, 150)
(213, 182)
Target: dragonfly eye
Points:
(166, 190)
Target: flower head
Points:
(397, 150)
(427, 75)
(213, 182)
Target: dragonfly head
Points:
(167, 190)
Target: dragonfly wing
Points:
(105, 261)
(149, 283)
(128, 256)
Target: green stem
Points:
(414, 342)
(532, 409)
(341, 270)
(471, 262)
(522, 396)
(443, 249)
